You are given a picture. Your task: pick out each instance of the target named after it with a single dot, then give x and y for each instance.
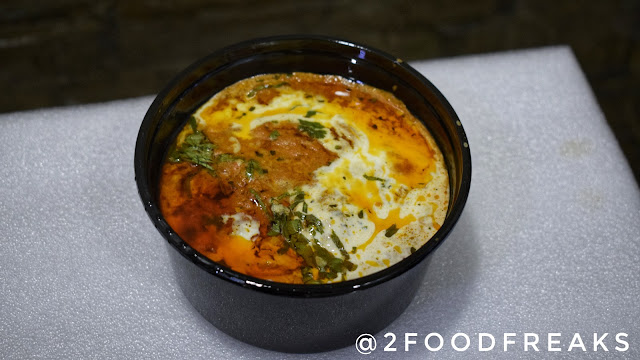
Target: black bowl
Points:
(288, 317)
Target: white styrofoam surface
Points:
(549, 241)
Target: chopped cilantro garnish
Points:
(193, 123)
(289, 223)
(313, 129)
(391, 231)
(297, 200)
(372, 178)
(226, 158)
(255, 90)
(310, 113)
(253, 168)
(261, 203)
(196, 149)
(314, 224)
(336, 240)
(274, 134)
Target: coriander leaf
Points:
(290, 223)
(255, 90)
(307, 276)
(336, 240)
(196, 149)
(310, 113)
(282, 196)
(391, 231)
(304, 249)
(193, 123)
(274, 134)
(226, 158)
(274, 230)
(349, 265)
(372, 178)
(261, 204)
(313, 129)
(297, 200)
(314, 224)
(252, 168)
(324, 254)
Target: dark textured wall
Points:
(76, 51)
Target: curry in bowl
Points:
(304, 178)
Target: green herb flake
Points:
(289, 223)
(196, 149)
(304, 249)
(313, 223)
(193, 123)
(350, 266)
(226, 158)
(297, 200)
(412, 249)
(255, 90)
(361, 214)
(253, 168)
(307, 276)
(282, 196)
(313, 129)
(372, 178)
(391, 231)
(310, 113)
(274, 134)
(260, 202)
(338, 243)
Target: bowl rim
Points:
(298, 290)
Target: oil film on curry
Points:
(304, 178)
